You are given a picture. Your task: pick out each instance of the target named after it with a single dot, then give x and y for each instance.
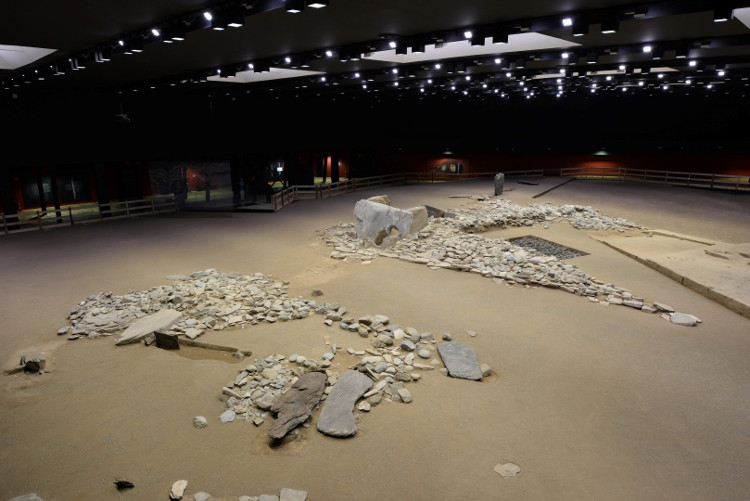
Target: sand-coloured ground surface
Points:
(591, 401)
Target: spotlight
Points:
(438, 66)
(317, 4)
(295, 6)
(468, 34)
(567, 22)
(647, 48)
(565, 55)
(208, 16)
(329, 53)
(693, 64)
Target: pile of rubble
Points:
(208, 300)
(452, 243)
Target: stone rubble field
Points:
(452, 242)
(211, 300)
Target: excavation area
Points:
(591, 343)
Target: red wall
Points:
(551, 164)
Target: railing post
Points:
(153, 207)
(127, 208)
(39, 219)
(70, 215)
(5, 224)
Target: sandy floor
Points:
(591, 402)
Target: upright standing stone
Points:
(297, 404)
(337, 419)
(460, 360)
(499, 183)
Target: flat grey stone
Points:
(683, 319)
(292, 495)
(460, 360)
(296, 405)
(161, 320)
(424, 353)
(420, 218)
(337, 419)
(27, 497)
(201, 496)
(664, 307)
(408, 345)
(268, 497)
(227, 416)
(507, 470)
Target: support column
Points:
(40, 189)
(55, 194)
(334, 167)
(7, 202)
(102, 188)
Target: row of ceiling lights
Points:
(232, 16)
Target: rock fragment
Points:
(460, 360)
(336, 419)
(507, 470)
(297, 404)
(178, 490)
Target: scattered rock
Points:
(268, 497)
(408, 345)
(683, 319)
(424, 353)
(381, 199)
(27, 497)
(201, 496)
(178, 490)
(200, 422)
(292, 495)
(336, 419)
(296, 405)
(447, 337)
(664, 307)
(486, 370)
(460, 360)
(507, 470)
(124, 484)
(405, 395)
(227, 416)
(36, 365)
(317, 293)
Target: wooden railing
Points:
(692, 179)
(439, 176)
(86, 213)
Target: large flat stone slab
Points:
(161, 320)
(297, 404)
(336, 419)
(460, 360)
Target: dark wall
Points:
(74, 127)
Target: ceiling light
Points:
(329, 53)
(394, 71)
(647, 48)
(392, 44)
(721, 73)
(317, 4)
(287, 59)
(122, 44)
(155, 32)
(136, 45)
(356, 75)
(438, 66)
(250, 66)
(722, 14)
(208, 16)
(498, 60)
(640, 83)
(565, 55)
(693, 64)
(580, 28)
(609, 77)
(610, 24)
(567, 22)
(660, 75)
(468, 34)
(709, 86)
(295, 6)
(508, 74)
(622, 67)
(664, 87)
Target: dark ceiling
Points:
(170, 77)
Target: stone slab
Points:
(380, 223)
(460, 360)
(337, 419)
(161, 320)
(296, 405)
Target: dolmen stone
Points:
(161, 320)
(380, 223)
(337, 419)
(499, 183)
(420, 218)
(381, 199)
(460, 360)
(296, 405)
